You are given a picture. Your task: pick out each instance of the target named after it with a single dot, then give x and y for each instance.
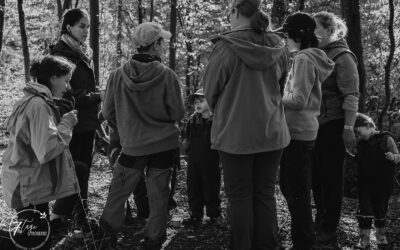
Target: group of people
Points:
(255, 112)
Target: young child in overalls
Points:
(203, 174)
(376, 156)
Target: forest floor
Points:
(206, 236)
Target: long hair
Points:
(71, 17)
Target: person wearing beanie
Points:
(302, 99)
(144, 97)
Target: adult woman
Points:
(249, 130)
(74, 32)
(338, 112)
(38, 166)
(302, 100)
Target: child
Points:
(203, 176)
(376, 156)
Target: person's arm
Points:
(48, 139)
(108, 105)
(174, 101)
(393, 153)
(301, 83)
(218, 72)
(348, 83)
(82, 97)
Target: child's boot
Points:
(364, 241)
(380, 236)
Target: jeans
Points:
(126, 175)
(295, 183)
(250, 188)
(327, 179)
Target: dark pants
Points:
(295, 183)
(81, 147)
(65, 206)
(374, 191)
(204, 183)
(327, 176)
(250, 187)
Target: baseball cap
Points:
(191, 97)
(147, 33)
(298, 21)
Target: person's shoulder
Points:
(36, 106)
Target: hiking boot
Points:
(364, 241)
(381, 239)
(192, 221)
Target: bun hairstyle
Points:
(259, 20)
(50, 66)
(333, 23)
(71, 17)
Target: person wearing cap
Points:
(203, 173)
(340, 97)
(242, 84)
(144, 97)
(302, 100)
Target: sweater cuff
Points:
(350, 103)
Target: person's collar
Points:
(244, 26)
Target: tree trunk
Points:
(24, 39)
(140, 11)
(94, 35)
(2, 9)
(172, 46)
(278, 13)
(151, 10)
(59, 9)
(388, 65)
(301, 5)
(67, 5)
(76, 4)
(351, 12)
(119, 35)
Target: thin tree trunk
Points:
(151, 10)
(351, 12)
(59, 9)
(140, 11)
(278, 12)
(67, 5)
(388, 65)
(301, 5)
(172, 46)
(94, 35)
(24, 39)
(119, 35)
(2, 9)
(76, 4)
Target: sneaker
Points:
(59, 226)
(381, 239)
(192, 221)
(215, 221)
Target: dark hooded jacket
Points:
(340, 91)
(83, 88)
(241, 83)
(145, 100)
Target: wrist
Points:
(348, 127)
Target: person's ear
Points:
(68, 27)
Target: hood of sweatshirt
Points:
(320, 60)
(341, 43)
(255, 51)
(140, 76)
(31, 89)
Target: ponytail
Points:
(259, 21)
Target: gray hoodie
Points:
(145, 100)
(302, 96)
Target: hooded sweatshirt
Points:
(38, 166)
(241, 83)
(302, 95)
(144, 97)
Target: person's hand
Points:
(102, 93)
(349, 140)
(71, 117)
(392, 157)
